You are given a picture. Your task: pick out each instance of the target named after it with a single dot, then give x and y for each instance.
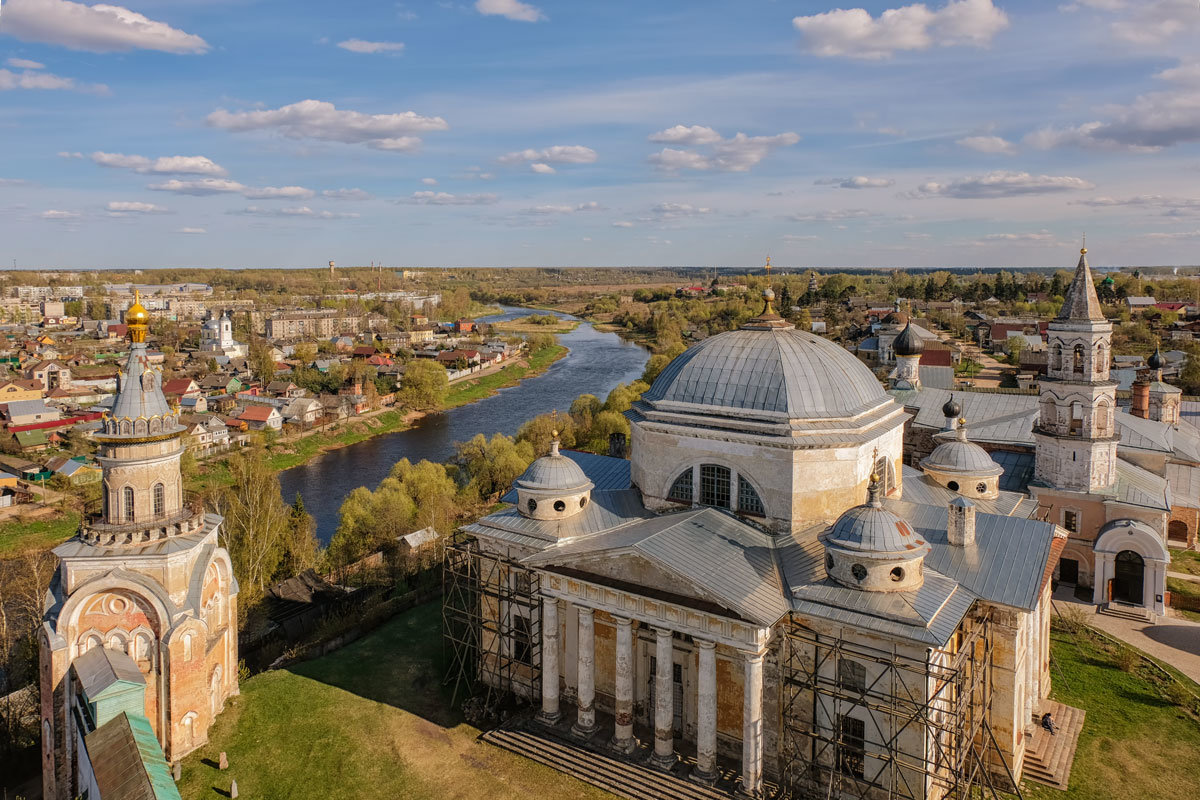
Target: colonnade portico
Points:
(663, 713)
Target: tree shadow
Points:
(1184, 638)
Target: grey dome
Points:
(908, 343)
(140, 397)
(873, 530)
(961, 456)
(773, 370)
(554, 473)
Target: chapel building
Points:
(765, 589)
(139, 637)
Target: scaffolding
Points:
(864, 722)
(491, 627)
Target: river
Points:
(596, 363)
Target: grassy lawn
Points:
(1134, 744)
(17, 535)
(368, 721)
(1185, 561)
(292, 453)
(1186, 588)
(523, 326)
(473, 390)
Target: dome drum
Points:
(963, 466)
(872, 549)
(864, 571)
(553, 487)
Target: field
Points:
(1185, 561)
(18, 535)
(469, 391)
(368, 721)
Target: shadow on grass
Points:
(401, 664)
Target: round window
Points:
(897, 573)
(531, 505)
(952, 486)
(828, 562)
(859, 572)
(582, 502)
(559, 505)
(981, 488)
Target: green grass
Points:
(1185, 561)
(292, 453)
(17, 535)
(471, 391)
(368, 721)
(1134, 743)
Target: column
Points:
(623, 741)
(664, 698)
(550, 713)
(752, 726)
(585, 721)
(706, 714)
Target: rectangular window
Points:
(852, 748)
(522, 639)
(852, 676)
(1071, 521)
(714, 485)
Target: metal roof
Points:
(1140, 487)
(1184, 481)
(920, 488)
(128, 762)
(100, 668)
(1081, 303)
(554, 472)
(1018, 469)
(606, 511)
(605, 472)
(140, 394)
(781, 371)
(960, 455)
(874, 530)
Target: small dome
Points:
(896, 318)
(137, 315)
(952, 408)
(961, 456)
(872, 529)
(554, 473)
(909, 342)
(1156, 360)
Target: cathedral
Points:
(139, 637)
(766, 588)
(216, 337)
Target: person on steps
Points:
(1048, 724)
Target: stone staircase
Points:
(1048, 758)
(624, 777)
(1132, 613)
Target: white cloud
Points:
(892, 131)
(133, 207)
(429, 181)
(209, 186)
(1040, 237)
(69, 154)
(857, 182)
(622, 223)
(687, 135)
(347, 194)
(165, 165)
(1167, 206)
(510, 9)
(447, 199)
(542, 169)
(854, 33)
(1151, 122)
(363, 46)
(24, 63)
(56, 214)
(1000, 184)
(669, 211)
(993, 145)
(100, 28)
(29, 79)
(299, 211)
(558, 154)
(316, 119)
(565, 209)
(1173, 236)
(918, 236)
(738, 154)
(836, 215)
(793, 237)
(191, 230)
(1155, 23)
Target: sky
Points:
(262, 133)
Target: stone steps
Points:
(624, 778)
(1132, 613)
(1048, 758)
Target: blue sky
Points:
(240, 133)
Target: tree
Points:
(542, 429)
(302, 550)
(262, 365)
(605, 425)
(492, 465)
(424, 385)
(305, 353)
(256, 525)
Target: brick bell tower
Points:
(147, 579)
(1076, 430)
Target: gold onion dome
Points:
(137, 318)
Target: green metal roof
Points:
(128, 762)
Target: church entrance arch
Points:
(1177, 532)
(1128, 577)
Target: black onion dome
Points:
(1156, 360)
(908, 343)
(952, 408)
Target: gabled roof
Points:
(128, 762)
(257, 413)
(100, 668)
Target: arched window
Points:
(160, 500)
(681, 489)
(748, 500)
(1056, 357)
(187, 646)
(127, 503)
(886, 471)
(1079, 359)
(714, 485)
